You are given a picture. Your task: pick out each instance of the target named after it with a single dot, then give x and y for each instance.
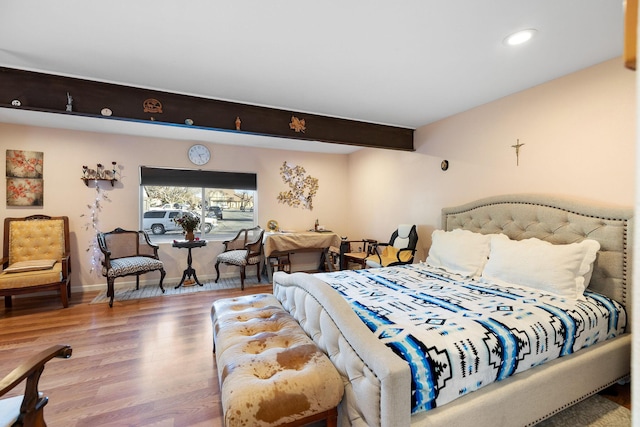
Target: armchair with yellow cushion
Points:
(36, 257)
(400, 249)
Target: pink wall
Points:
(578, 131)
(579, 136)
(65, 194)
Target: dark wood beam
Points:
(48, 93)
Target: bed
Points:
(378, 382)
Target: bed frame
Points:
(377, 382)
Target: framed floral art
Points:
(25, 185)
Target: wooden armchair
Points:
(36, 257)
(243, 250)
(128, 253)
(350, 253)
(28, 410)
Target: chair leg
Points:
(110, 290)
(242, 277)
(258, 271)
(33, 414)
(162, 274)
(138, 282)
(64, 296)
(217, 272)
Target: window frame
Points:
(205, 180)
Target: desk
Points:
(190, 271)
(280, 244)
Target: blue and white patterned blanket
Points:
(471, 333)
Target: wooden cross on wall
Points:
(517, 147)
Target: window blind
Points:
(197, 178)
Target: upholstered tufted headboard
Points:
(558, 220)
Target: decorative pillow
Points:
(459, 251)
(36, 264)
(559, 269)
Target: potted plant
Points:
(189, 223)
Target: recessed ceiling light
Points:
(519, 37)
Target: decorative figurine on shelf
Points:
(298, 125)
(69, 102)
(152, 105)
(238, 123)
(100, 173)
(317, 224)
(88, 173)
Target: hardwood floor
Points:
(142, 363)
(619, 393)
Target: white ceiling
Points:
(405, 63)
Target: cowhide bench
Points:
(271, 373)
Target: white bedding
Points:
(459, 335)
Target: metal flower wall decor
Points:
(302, 188)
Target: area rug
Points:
(153, 290)
(596, 411)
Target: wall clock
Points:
(199, 154)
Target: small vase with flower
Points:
(189, 222)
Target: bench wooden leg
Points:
(330, 417)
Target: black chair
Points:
(400, 249)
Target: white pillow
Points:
(33, 265)
(459, 251)
(559, 269)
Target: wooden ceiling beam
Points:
(49, 93)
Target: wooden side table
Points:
(190, 271)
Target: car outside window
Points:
(222, 211)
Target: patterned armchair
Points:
(243, 250)
(27, 410)
(128, 253)
(36, 257)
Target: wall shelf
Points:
(87, 180)
(50, 93)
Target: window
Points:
(224, 201)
